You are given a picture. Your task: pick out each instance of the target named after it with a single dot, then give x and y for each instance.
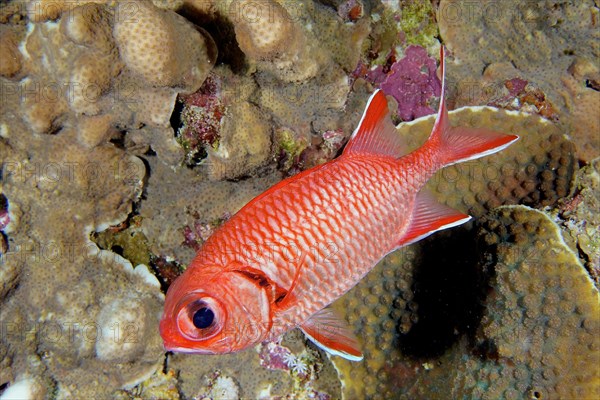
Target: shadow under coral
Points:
(449, 291)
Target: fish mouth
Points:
(187, 350)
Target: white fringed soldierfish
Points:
(289, 253)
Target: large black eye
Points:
(200, 318)
(203, 318)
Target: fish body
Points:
(289, 253)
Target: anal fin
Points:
(332, 334)
(428, 217)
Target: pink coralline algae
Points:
(201, 119)
(412, 81)
(524, 96)
(196, 234)
(4, 219)
(274, 356)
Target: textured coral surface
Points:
(130, 130)
(552, 44)
(517, 318)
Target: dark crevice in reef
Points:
(592, 84)
(175, 121)
(449, 290)
(220, 28)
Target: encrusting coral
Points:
(550, 43)
(55, 316)
(516, 318)
(10, 62)
(407, 310)
(540, 326)
(579, 217)
(537, 171)
(70, 309)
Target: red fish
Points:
(289, 253)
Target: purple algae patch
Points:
(413, 82)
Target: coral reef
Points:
(407, 310)
(108, 72)
(260, 375)
(70, 309)
(55, 317)
(537, 171)
(127, 135)
(271, 37)
(244, 145)
(552, 44)
(542, 317)
(579, 216)
(537, 320)
(223, 130)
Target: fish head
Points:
(214, 313)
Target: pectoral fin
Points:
(332, 334)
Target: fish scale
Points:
(293, 250)
(356, 196)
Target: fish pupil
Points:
(203, 318)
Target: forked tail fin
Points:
(456, 144)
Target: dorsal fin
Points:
(376, 134)
(332, 334)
